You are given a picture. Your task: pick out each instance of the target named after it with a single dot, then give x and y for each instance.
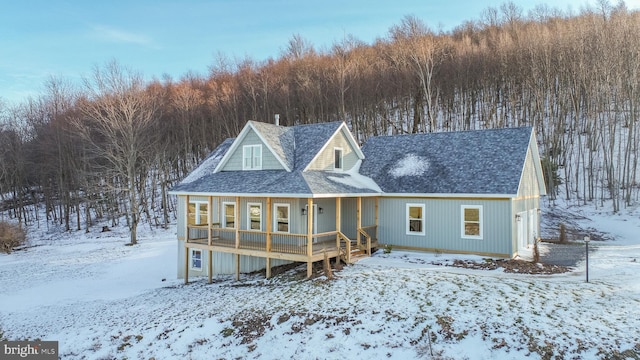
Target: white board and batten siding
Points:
(269, 160)
(325, 159)
(443, 225)
(526, 227)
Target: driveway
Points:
(569, 254)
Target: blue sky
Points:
(40, 39)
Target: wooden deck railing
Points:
(289, 243)
(369, 233)
(340, 237)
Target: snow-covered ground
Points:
(103, 300)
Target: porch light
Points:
(304, 211)
(517, 217)
(320, 210)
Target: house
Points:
(276, 195)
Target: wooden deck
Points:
(283, 246)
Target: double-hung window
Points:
(252, 157)
(254, 218)
(337, 159)
(471, 221)
(229, 219)
(198, 214)
(415, 219)
(282, 217)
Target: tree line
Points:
(113, 147)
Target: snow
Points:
(355, 179)
(102, 299)
(410, 165)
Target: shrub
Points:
(536, 252)
(387, 248)
(11, 236)
(563, 234)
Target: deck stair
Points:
(356, 253)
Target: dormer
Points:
(259, 146)
(339, 153)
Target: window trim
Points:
(463, 221)
(197, 204)
(408, 219)
(224, 215)
(275, 218)
(249, 205)
(191, 259)
(341, 150)
(249, 150)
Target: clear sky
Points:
(40, 39)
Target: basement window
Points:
(196, 259)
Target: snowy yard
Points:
(102, 300)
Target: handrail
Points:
(366, 235)
(340, 237)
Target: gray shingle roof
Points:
(280, 139)
(298, 145)
(466, 162)
(309, 139)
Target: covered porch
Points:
(273, 228)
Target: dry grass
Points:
(11, 236)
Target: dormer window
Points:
(337, 159)
(252, 157)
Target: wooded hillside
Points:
(116, 145)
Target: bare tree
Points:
(117, 123)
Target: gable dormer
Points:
(339, 153)
(257, 148)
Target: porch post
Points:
(338, 225)
(237, 267)
(209, 219)
(210, 267)
(377, 217)
(358, 219)
(269, 229)
(186, 219)
(309, 236)
(237, 222)
(186, 264)
(186, 240)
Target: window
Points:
(196, 259)
(252, 157)
(255, 216)
(282, 217)
(198, 214)
(472, 221)
(337, 158)
(415, 219)
(229, 220)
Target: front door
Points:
(523, 231)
